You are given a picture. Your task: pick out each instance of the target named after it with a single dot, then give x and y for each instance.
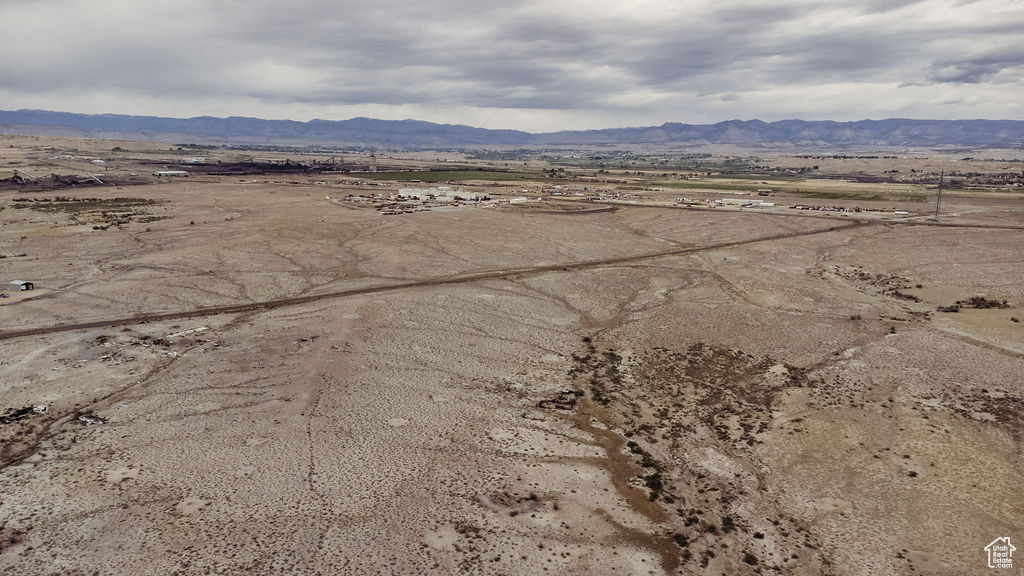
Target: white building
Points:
(440, 194)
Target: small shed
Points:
(23, 285)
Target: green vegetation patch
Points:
(701, 185)
(791, 186)
(450, 175)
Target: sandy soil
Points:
(502, 390)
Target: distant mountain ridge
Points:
(419, 134)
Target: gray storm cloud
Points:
(611, 62)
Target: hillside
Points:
(419, 134)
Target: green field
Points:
(699, 185)
(451, 175)
(867, 196)
(821, 189)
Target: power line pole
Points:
(938, 199)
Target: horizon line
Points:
(637, 126)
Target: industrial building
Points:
(732, 201)
(440, 194)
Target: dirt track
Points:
(456, 279)
(275, 383)
(479, 276)
(816, 216)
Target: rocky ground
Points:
(503, 390)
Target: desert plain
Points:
(588, 367)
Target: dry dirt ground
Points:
(501, 390)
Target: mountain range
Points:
(413, 134)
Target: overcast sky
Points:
(539, 65)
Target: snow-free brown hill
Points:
(419, 134)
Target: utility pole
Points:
(938, 199)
